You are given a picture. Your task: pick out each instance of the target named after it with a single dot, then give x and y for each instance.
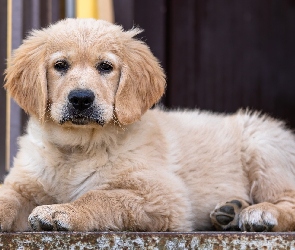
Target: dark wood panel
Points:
(124, 13)
(182, 64)
(151, 16)
(31, 16)
(229, 54)
(281, 52)
(51, 11)
(148, 15)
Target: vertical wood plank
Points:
(3, 56)
(31, 16)
(181, 59)
(15, 111)
(151, 16)
(70, 8)
(8, 103)
(57, 10)
(124, 13)
(106, 10)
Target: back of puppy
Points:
(95, 158)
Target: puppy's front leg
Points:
(101, 210)
(14, 210)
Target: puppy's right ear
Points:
(25, 78)
(142, 81)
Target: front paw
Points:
(59, 217)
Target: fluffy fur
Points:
(116, 165)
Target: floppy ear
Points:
(25, 78)
(142, 81)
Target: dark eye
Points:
(61, 66)
(104, 67)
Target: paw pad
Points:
(225, 216)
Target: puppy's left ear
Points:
(142, 81)
(25, 78)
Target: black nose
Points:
(81, 99)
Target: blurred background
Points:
(218, 55)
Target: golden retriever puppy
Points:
(94, 156)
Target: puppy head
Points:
(84, 72)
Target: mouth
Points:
(85, 121)
(82, 121)
(85, 117)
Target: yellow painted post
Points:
(8, 46)
(99, 9)
(87, 9)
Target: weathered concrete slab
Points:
(127, 240)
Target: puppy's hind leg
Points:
(238, 214)
(225, 216)
(277, 215)
(268, 157)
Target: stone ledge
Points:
(128, 240)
